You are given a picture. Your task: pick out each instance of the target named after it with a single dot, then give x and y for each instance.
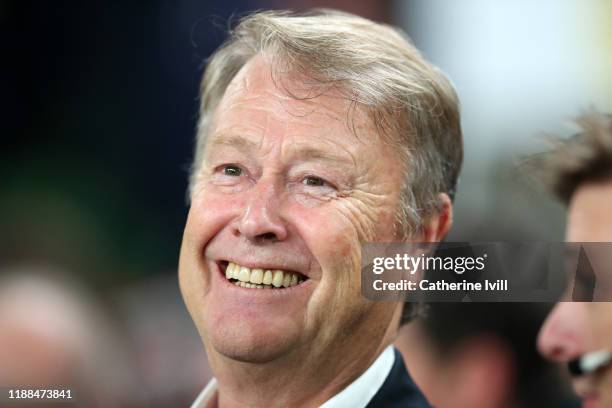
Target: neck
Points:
(304, 380)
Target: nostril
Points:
(268, 236)
(557, 354)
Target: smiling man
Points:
(317, 133)
(579, 172)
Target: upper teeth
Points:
(260, 277)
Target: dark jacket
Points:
(398, 390)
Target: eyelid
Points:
(223, 166)
(218, 171)
(326, 182)
(226, 165)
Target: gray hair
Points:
(412, 104)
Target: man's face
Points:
(573, 329)
(285, 185)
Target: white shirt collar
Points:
(357, 394)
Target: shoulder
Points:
(398, 390)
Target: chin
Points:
(252, 340)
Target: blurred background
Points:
(99, 103)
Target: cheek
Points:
(327, 232)
(606, 386)
(601, 322)
(336, 230)
(209, 213)
(333, 240)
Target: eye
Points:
(232, 170)
(314, 181)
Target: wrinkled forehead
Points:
(259, 85)
(589, 214)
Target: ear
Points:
(437, 225)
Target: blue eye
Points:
(231, 170)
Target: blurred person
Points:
(318, 132)
(164, 343)
(480, 355)
(53, 336)
(579, 172)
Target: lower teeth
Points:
(251, 285)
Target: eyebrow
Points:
(236, 142)
(304, 152)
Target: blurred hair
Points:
(412, 104)
(585, 157)
(450, 326)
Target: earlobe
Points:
(439, 223)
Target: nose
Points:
(564, 335)
(261, 220)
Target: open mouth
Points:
(254, 278)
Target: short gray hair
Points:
(375, 66)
